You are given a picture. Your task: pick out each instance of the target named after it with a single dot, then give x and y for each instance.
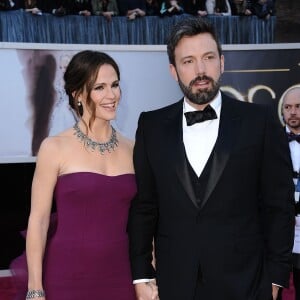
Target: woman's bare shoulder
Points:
(129, 143)
(57, 142)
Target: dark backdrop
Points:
(14, 208)
(288, 21)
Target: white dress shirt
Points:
(295, 156)
(200, 138)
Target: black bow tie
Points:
(198, 116)
(293, 137)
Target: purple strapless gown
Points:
(87, 255)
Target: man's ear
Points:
(173, 71)
(222, 63)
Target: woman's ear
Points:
(74, 95)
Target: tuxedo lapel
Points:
(185, 178)
(228, 130)
(177, 150)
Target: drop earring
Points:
(80, 107)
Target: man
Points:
(291, 115)
(216, 196)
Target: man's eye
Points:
(209, 57)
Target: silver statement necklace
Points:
(109, 146)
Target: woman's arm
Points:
(43, 183)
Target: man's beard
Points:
(294, 125)
(201, 96)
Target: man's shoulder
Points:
(243, 105)
(165, 109)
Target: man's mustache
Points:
(199, 78)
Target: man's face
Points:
(291, 109)
(198, 68)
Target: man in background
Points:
(291, 116)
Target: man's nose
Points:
(200, 68)
(294, 110)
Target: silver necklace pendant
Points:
(109, 146)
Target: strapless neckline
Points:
(93, 173)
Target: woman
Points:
(88, 170)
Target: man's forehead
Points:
(292, 101)
(292, 96)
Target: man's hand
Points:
(275, 289)
(146, 291)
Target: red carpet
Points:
(288, 294)
(7, 290)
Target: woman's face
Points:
(106, 93)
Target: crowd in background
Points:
(133, 9)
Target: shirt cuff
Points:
(142, 280)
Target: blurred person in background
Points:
(106, 8)
(132, 9)
(195, 7)
(263, 9)
(218, 7)
(152, 8)
(171, 7)
(290, 111)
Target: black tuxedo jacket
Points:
(239, 240)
